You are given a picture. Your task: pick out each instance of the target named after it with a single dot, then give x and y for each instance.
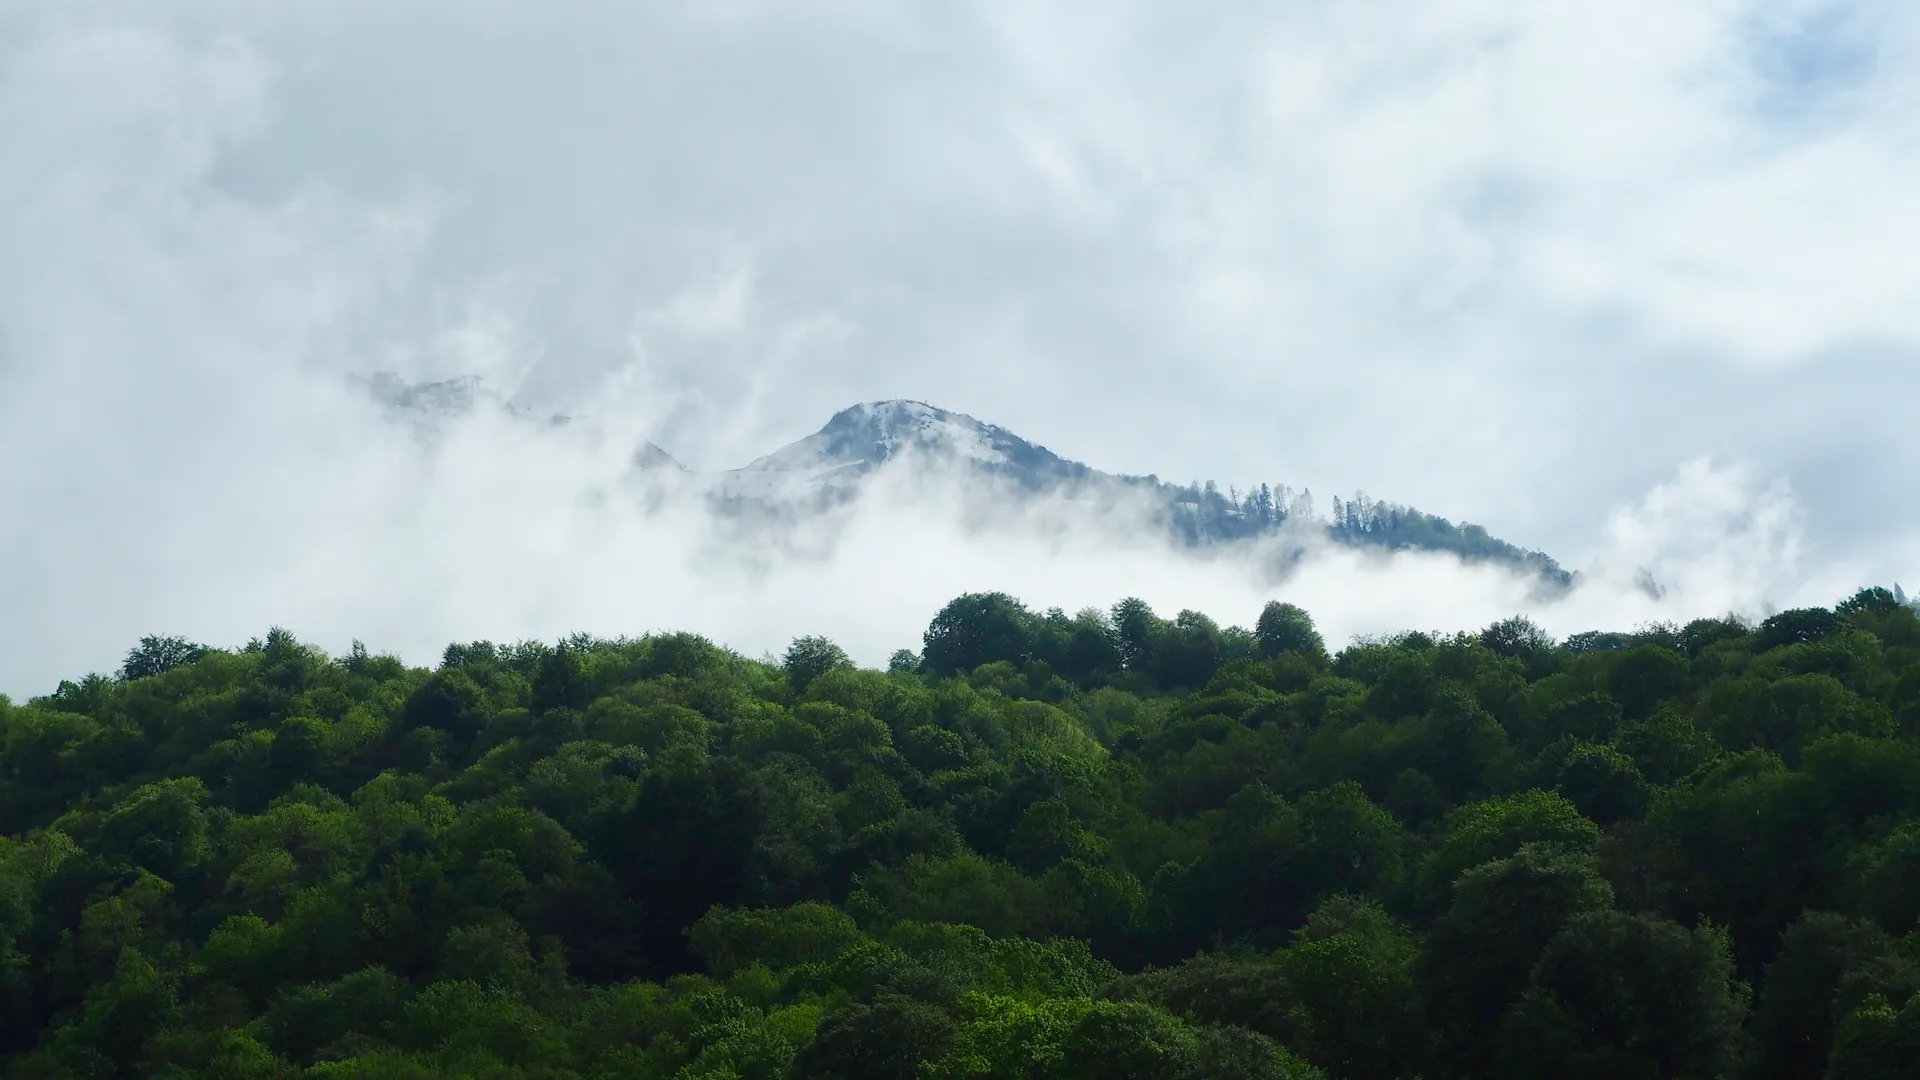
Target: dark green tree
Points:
(1627, 997)
(1475, 964)
(1826, 966)
(1642, 677)
(1137, 631)
(1603, 783)
(159, 655)
(559, 682)
(976, 629)
(688, 843)
(888, 1040)
(1284, 628)
(1797, 627)
(1877, 1042)
(810, 657)
(1517, 637)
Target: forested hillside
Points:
(1104, 845)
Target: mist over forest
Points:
(321, 507)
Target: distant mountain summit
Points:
(831, 468)
(650, 458)
(860, 440)
(427, 405)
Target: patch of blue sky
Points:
(1814, 58)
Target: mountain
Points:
(427, 405)
(650, 458)
(858, 441)
(832, 466)
(829, 467)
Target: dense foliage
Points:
(1103, 845)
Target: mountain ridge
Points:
(859, 440)
(833, 465)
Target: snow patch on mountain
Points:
(873, 433)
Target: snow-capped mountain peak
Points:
(828, 469)
(870, 434)
(860, 439)
(866, 437)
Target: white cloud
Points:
(1508, 262)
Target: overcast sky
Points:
(1573, 271)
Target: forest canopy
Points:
(1107, 844)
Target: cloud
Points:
(1508, 263)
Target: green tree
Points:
(305, 1020)
(976, 629)
(450, 701)
(1667, 746)
(1119, 1040)
(161, 827)
(1236, 1054)
(1187, 652)
(1826, 965)
(1877, 1042)
(1358, 1013)
(733, 939)
(1495, 828)
(1796, 627)
(687, 844)
(159, 655)
(1517, 637)
(560, 682)
(120, 1020)
(1624, 997)
(1590, 717)
(1475, 964)
(1284, 628)
(1137, 631)
(1603, 784)
(888, 1040)
(1883, 879)
(1048, 834)
(1253, 992)
(1643, 677)
(810, 657)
